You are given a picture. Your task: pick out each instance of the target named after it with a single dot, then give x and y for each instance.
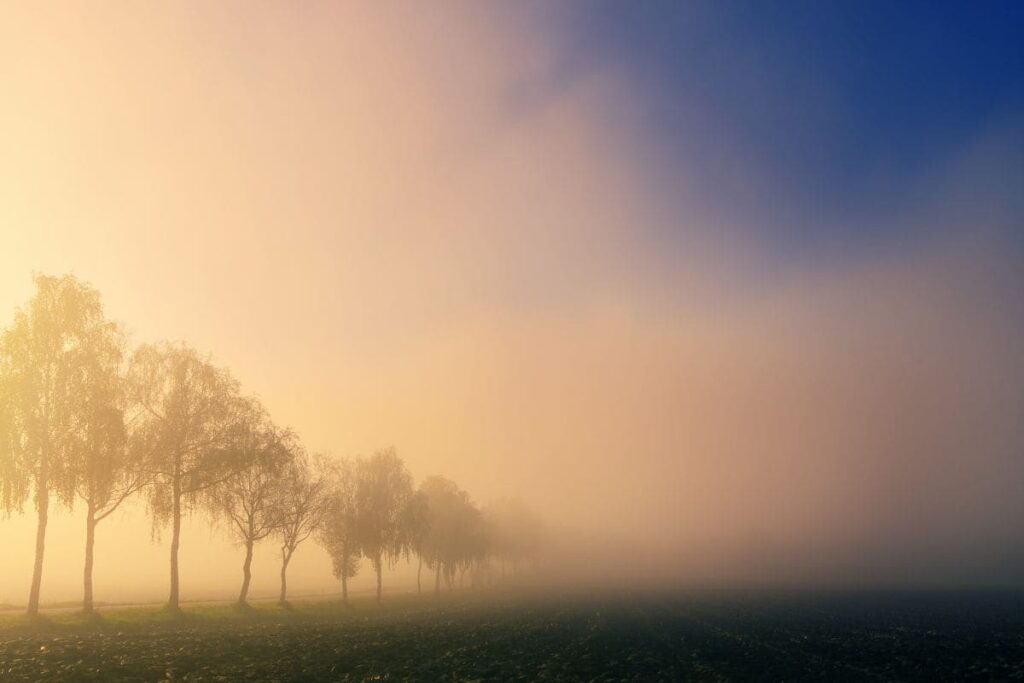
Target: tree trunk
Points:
(378, 565)
(246, 574)
(43, 507)
(172, 602)
(419, 572)
(437, 579)
(286, 556)
(90, 538)
(344, 588)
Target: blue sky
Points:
(845, 105)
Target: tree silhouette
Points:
(302, 503)
(106, 466)
(338, 533)
(78, 419)
(454, 538)
(246, 499)
(516, 532)
(383, 490)
(417, 529)
(192, 413)
(45, 361)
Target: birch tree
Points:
(247, 499)
(302, 504)
(106, 468)
(338, 533)
(193, 412)
(45, 356)
(453, 539)
(383, 490)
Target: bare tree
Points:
(383, 490)
(44, 359)
(302, 504)
(338, 532)
(192, 411)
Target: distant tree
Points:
(454, 535)
(443, 498)
(302, 504)
(383, 490)
(45, 357)
(192, 412)
(247, 500)
(337, 532)
(472, 547)
(516, 532)
(417, 529)
(106, 466)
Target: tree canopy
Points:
(53, 360)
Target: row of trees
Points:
(85, 420)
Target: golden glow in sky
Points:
(359, 212)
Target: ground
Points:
(925, 636)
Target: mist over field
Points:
(697, 365)
(511, 341)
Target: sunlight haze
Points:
(461, 234)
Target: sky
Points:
(733, 287)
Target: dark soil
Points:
(695, 636)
